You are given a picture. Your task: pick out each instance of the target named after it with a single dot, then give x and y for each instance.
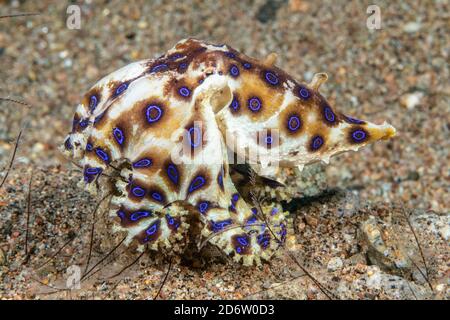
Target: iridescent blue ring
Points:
(254, 104)
(118, 135)
(148, 113)
(184, 91)
(294, 123)
(271, 78)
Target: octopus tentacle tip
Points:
(317, 80)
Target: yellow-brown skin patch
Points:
(253, 86)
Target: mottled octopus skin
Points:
(147, 112)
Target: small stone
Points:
(335, 264)
(412, 27)
(411, 100)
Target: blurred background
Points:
(398, 73)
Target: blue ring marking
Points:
(84, 123)
(143, 163)
(247, 65)
(170, 220)
(243, 241)
(234, 104)
(274, 211)
(317, 142)
(102, 154)
(157, 196)
(203, 207)
(238, 249)
(234, 71)
(254, 104)
(196, 133)
(271, 78)
(235, 197)
(254, 210)
(89, 147)
(152, 229)
(268, 139)
(294, 126)
(172, 172)
(182, 66)
(359, 135)
(159, 68)
(263, 240)
(67, 144)
(353, 120)
(184, 91)
(197, 183)
(137, 215)
(121, 214)
(120, 89)
(93, 101)
(329, 114)
(303, 92)
(138, 191)
(230, 55)
(219, 225)
(148, 113)
(118, 135)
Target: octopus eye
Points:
(143, 163)
(359, 135)
(271, 78)
(316, 143)
(234, 71)
(93, 101)
(120, 89)
(254, 104)
(153, 113)
(294, 123)
(329, 114)
(303, 93)
(118, 135)
(184, 91)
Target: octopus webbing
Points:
(164, 134)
